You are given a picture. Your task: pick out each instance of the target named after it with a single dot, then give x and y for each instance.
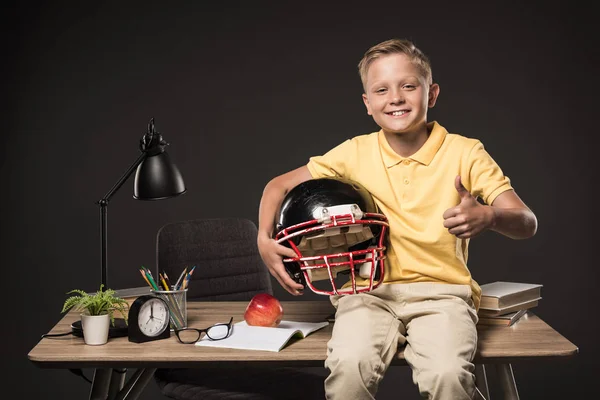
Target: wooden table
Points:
(529, 338)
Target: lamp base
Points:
(118, 330)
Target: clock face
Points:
(153, 317)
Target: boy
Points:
(426, 182)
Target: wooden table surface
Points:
(529, 338)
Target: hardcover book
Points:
(484, 312)
(504, 319)
(501, 295)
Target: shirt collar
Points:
(424, 155)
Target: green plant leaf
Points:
(99, 303)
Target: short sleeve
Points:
(333, 163)
(487, 179)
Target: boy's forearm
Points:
(271, 199)
(273, 196)
(515, 223)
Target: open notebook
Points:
(248, 337)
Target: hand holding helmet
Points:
(272, 254)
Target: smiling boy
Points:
(426, 181)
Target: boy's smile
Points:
(398, 95)
(400, 113)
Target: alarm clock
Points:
(148, 319)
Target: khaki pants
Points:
(435, 321)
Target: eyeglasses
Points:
(215, 332)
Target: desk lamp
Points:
(156, 178)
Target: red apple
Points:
(263, 310)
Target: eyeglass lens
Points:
(188, 335)
(217, 332)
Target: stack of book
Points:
(503, 303)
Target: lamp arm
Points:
(103, 203)
(123, 178)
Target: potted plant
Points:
(97, 312)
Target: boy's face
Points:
(398, 95)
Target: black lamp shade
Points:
(157, 178)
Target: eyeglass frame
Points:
(200, 331)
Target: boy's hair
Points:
(395, 46)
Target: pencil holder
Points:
(177, 302)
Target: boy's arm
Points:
(271, 252)
(507, 215)
(511, 217)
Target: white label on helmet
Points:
(324, 214)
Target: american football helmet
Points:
(335, 227)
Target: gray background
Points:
(245, 91)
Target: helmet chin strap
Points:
(366, 267)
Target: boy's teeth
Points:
(398, 113)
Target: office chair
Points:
(228, 268)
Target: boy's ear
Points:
(434, 92)
(366, 101)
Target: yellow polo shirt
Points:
(413, 193)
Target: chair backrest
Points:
(225, 253)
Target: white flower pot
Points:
(95, 328)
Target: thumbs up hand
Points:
(469, 218)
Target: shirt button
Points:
(406, 182)
(406, 162)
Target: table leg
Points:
(108, 383)
(100, 383)
(507, 381)
(481, 382)
(136, 384)
(117, 380)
